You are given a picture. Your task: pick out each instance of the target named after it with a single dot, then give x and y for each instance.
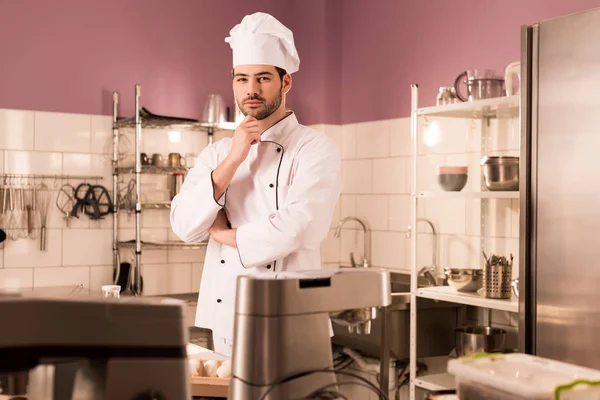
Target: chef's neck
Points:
(272, 119)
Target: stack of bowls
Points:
(452, 179)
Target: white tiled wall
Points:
(74, 144)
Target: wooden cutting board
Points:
(210, 387)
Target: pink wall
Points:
(70, 55)
(358, 57)
(387, 45)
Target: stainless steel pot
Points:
(479, 339)
(501, 173)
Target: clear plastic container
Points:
(520, 376)
(111, 291)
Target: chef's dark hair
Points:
(282, 72)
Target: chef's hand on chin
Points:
(246, 134)
(221, 231)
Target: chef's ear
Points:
(286, 83)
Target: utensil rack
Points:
(55, 177)
(138, 123)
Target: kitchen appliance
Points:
(559, 192)
(500, 173)
(85, 347)
(214, 114)
(480, 83)
(281, 334)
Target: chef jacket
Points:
(281, 200)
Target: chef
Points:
(267, 195)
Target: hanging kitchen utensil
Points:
(65, 201)
(24, 216)
(98, 202)
(145, 113)
(43, 200)
(11, 226)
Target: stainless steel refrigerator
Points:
(559, 266)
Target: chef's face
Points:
(259, 89)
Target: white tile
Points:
(175, 256)
(62, 132)
(102, 135)
(16, 278)
(388, 250)
(373, 209)
(356, 176)
(515, 219)
(444, 135)
(156, 219)
(336, 212)
(427, 172)
(330, 248)
(474, 134)
(16, 130)
(448, 215)
(504, 134)
(389, 176)
(167, 279)
(101, 275)
(199, 142)
(400, 139)
(1, 161)
(148, 234)
(196, 276)
(373, 139)
(61, 276)
(335, 133)
(425, 250)
(349, 141)
(157, 141)
(459, 252)
(89, 165)
(348, 206)
(26, 252)
(399, 212)
(498, 218)
(87, 246)
(29, 162)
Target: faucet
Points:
(366, 240)
(428, 271)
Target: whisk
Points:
(43, 202)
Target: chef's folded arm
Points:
(195, 208)
(304, 220)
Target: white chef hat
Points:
(262, 39)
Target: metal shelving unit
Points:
(138, 123)
(502, 107)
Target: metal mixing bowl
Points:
(501, 173)
(452, 182)
(479, 339)
(464, 279)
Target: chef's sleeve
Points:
(305, 219)
(194, 208)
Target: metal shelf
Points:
(507, 106)
(165, 245)
(151, 169)
(449, 294)
(156, 206)
(174, 124)
(475, 195)
(436, 382)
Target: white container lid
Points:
(521, 374)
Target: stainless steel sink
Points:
(436, 323)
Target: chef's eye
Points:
(242, 80)
(263, 79)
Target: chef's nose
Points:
(253, 88)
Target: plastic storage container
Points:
(520, 376)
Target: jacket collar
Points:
(276, 132)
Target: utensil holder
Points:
(497, 281)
